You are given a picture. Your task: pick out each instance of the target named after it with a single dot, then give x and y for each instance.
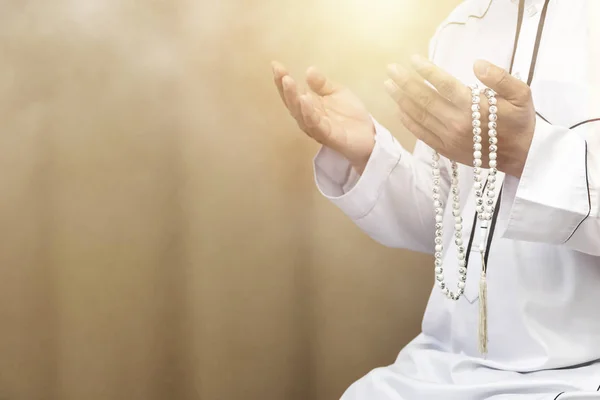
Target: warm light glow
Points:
(382, 23)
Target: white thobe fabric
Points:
(544, 261)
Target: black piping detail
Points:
(544, 118)
(598, 390)
(585, 122)
(492, 229)
(538, 39)
(460, 23)
(587, 185)
(472, 236)
(558, 395)
(517, 34)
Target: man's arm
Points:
(392, 200)
(556, 200)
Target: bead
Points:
(486, 216)
(456, 206)
(493, 109)
(435, 157)
(493, 117)
(458, 242)
(455, 191)
(437, 204)
(477, 154)
(489, 209)
(439, 247)
(476, 115)
(489, 202)
(477, 139)
(493, 148)
(461, 285)
(476, 123)
(442, 285)
(439, 233)
(476, 99)
(458, 227)
(479, 209)
(478, 193)
(445, 291)
(477, 163)
(479, 202)
(477, 186)
(461, 291)
(458, 235)
(436, 189)
(435, 172)
(438, 240)
(439, 218)
(489, 93)
(439, 211)
(462, 263)
(491, 186)
(439, 277)
(492, 101)
(450, 295)
(438, 255)
(454, 181)
(490, 193)
(475, 107)
(493, 140)
(476, 170)
(456, 199)
(493, 156)
(477, 147)
(492, 178)
(462, 270)
(438, 270)
(492, 125)
(435, 164)
(439, 226)
(493, 171)
(456, 212)
(458, 220)
(493, 163)
(463, 278)
(438, 262)
(460, 256)
(436, 181)
(492, 133)
(461, 249)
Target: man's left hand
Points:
(442, 117)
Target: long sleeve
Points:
(391, 201)
(556, 200)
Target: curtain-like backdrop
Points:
(160, 233)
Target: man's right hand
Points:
(329, 113)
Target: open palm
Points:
(329, 113)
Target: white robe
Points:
(544, 263)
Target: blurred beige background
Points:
(160, 233)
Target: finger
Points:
(319, 83)
(291, 96)
(414, 110)
(420, 132)
(447, 85)
(426, 97)
(279, 72)
(317, 125)
(502, 82)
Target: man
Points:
(544, 252)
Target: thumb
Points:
(319, 83)
(503, 83)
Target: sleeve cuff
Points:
(356, 195)
(551, 199)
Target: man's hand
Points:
(329, 113)
(442, 117)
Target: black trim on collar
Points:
(558, 395)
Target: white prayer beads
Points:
(484, 199)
